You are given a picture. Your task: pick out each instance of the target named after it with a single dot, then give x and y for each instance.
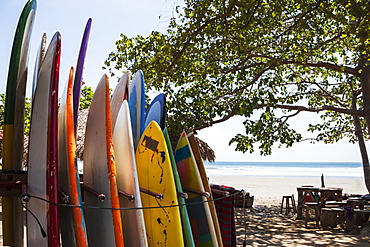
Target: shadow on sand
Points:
(266, 227)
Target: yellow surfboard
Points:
(163, 224)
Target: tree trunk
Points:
(365, 158)
(365, 84)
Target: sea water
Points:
(286, 169)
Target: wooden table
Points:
(330, 194)
(310, 194)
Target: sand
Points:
(266, 227)
(263, 225)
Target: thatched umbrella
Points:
(81, 127)
(205, 150)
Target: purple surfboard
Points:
(79, 69)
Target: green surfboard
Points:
(185, 221)
(14, 121)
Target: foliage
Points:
(27, 113)
(2, 109)
(27, 116)
(219, 59)
(86, 97)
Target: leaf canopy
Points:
(219, 59)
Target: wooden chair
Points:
(312, 206)
(288, 200)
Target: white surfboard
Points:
(38, 150)
(120, 93)
(101, 224)
(38, 62)
(127, 180)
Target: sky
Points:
(139, 17)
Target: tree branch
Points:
(298, 20)
(328, 95)
(286, 119)
(314, 109)
(230, 115)
(334, 67)
(299, 109)
(318, 64)
(327, 65)
(198, 30)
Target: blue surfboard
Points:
(136, 103)
(157, 111)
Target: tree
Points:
(219, 59)
(27, 113)
(2, 109)
(86, 97)
(27, 116)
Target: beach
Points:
(263, 225)
(270, 190)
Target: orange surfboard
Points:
(72, 219)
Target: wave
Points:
(289, 169)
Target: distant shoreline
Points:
(269, 190)
(284, 176)
(335, 170)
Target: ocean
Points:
(286, 169)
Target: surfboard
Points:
(163, 224)
(136, 102)
(127, 179)
(199, 213)
(38, 142)
(120, 94)
(39, 58)
(13, 129)
(52, 150)
(157, 111)
(203, 174)
(104, 227)
(66, 215)
(186, 227)
(79, 70)
(72, 223)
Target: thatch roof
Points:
(206, 151)
(81, 127)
